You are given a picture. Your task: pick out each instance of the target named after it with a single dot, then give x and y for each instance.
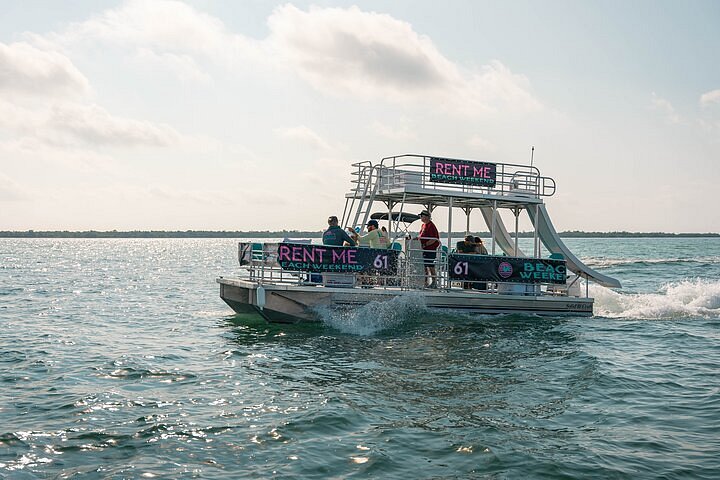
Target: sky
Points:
(216, 115)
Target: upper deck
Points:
(422, 180)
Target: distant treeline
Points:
(161, 234)
(301, 234)
(579, 234)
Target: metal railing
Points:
(414, 170)
(261, 264)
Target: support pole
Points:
(390, 205)
(536, 253)
(445, 261)
(517, 214)
(492, 228)
(449, 236)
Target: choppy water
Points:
(119, 360)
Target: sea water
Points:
(119, 360)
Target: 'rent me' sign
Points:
(462, 172)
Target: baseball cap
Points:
(424, 212)
(374, 223)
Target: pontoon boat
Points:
(291, 281)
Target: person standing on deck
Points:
(335, 235)
(430, 241)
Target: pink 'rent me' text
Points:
(303, 253)
(461, 170)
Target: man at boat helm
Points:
(430, 241)
(335, 235)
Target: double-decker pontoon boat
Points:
(290, 281)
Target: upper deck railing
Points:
(441, 174)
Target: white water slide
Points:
(550, 238)
(502, 237)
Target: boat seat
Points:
(257, 251)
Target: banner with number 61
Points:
(488, 268)
(326, 258)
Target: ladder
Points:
(368, 183)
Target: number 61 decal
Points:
(381, 261)
(461, 268)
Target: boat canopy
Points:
(404, 217)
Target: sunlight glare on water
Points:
(119, 360)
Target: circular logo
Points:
(505, 269)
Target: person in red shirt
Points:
(430, 241)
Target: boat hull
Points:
(300, 303)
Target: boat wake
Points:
(643, 262)
(374, 316)
(688, 298)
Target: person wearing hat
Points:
(335, 235)
(479, 247)
(467, 246)
(430, 241)
(375, 238)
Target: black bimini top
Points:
(404, 217)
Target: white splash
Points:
(688, 298)
(597, 262)
(374, 316)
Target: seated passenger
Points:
(375, 237)
(467, 245)
(335, 235)
(479, 247)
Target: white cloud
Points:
(481, 144)
(66, 123)
(164, 25)
(711, 128)
(10, 190)
(94, 124)
(182, 66)
(665, 108)
(709, 98)
(47, 101)
(305, 136)
(374, 55)
(351, 48)
(265, 198)
(182, 196)
(20, 119)
(338, 51)
(28, 70)
(400, 132)
(161, 26)
(43, 153)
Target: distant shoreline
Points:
(302, 234)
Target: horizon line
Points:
(31, 233)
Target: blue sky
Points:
(247, 115)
